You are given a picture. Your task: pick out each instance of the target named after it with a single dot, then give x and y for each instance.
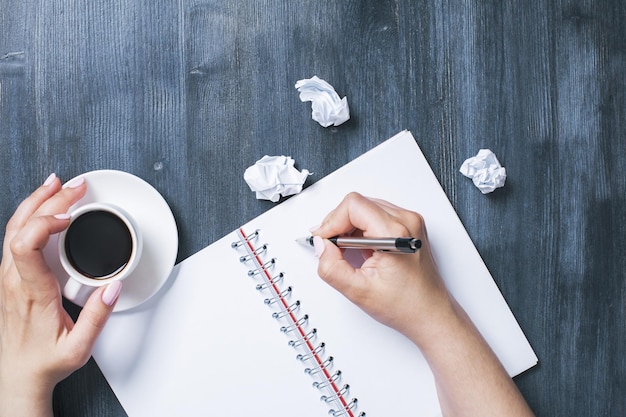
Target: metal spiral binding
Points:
(255, 252)
(298, 324)
(310, 335)
(346, 410)
(280, 296)
(325, 365)
(343, 391)
(261, 268)
(328, 381)
(287, 312)
(301, 336)
(272, 281)
(312, 353)
(245, 239)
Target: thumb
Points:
(334, 269)
(94, 315)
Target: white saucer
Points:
(153, 218)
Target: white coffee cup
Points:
(101, 244)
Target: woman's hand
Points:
(407, 293)
(403, 291)
(39, 343)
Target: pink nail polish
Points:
(62, 216)
(319, 245)
(50, 179)
(111, 293)
(76, 182)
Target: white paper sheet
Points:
(206, 345)
(326, 107)
(274, 176)
(485, 171)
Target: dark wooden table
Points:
(186, 94)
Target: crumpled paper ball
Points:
(273, 176)
(327, 108)
(485, 171)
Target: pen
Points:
(388, 244)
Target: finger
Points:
(356, 211)
(63, 199)
(92, 319)
(412, 220)
(386, 205)
(334, 269)
(49, 199)
(28, 207)
(403, 222)
(27, 245)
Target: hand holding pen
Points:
(407, 293)
(392, 289)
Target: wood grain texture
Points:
(188, 93)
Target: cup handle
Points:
(77, 292)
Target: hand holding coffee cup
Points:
(100, 245)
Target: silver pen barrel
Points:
(404, 245)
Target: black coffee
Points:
(98, 244)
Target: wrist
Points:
(20, 398)
(450, 336)
(429, 330)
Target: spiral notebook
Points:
(246, 327)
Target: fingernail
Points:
(50, 179)
(319, 245)
(62, 216)
(76, 182)
(314, 228)
(110, 294)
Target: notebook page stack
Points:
(231, 333)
